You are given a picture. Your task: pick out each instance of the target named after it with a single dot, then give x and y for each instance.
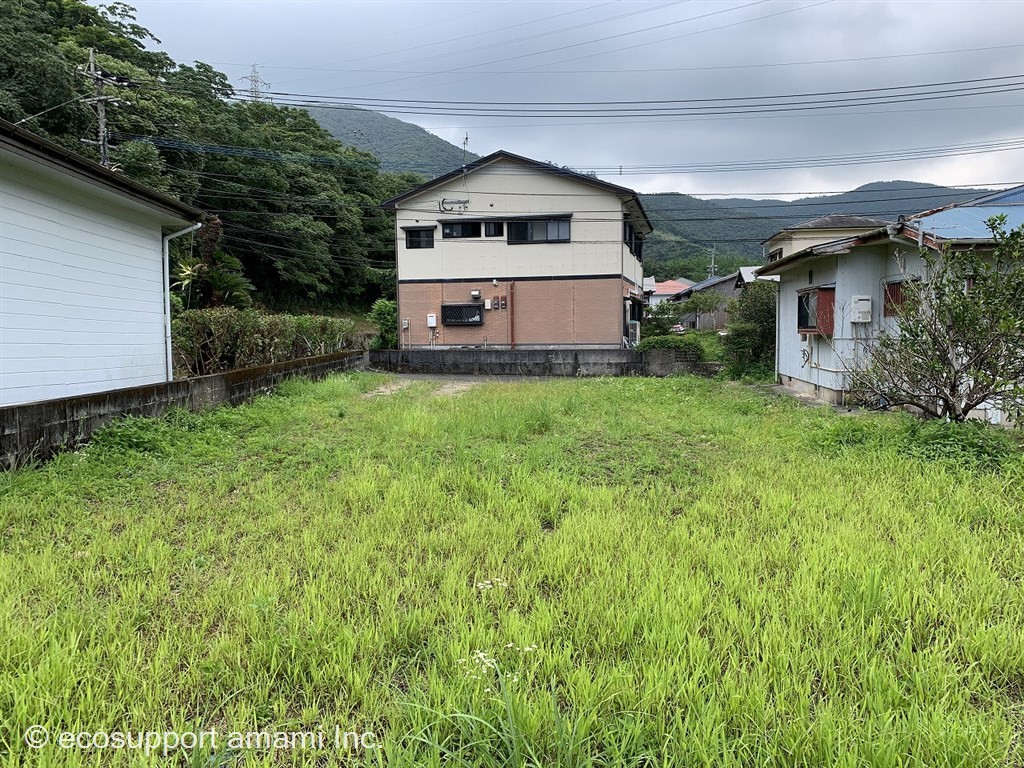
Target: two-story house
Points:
(511, 252)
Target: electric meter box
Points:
(860, 309)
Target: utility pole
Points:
(465, 147)
(713, 270)
(99, 103)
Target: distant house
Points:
(835, 297)
(511, 252)
(724, 285)
(666, 290)
(83, 274)
(821, 229)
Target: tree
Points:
(750, 342)
(703, 303)
(384, 314)
(660, 319)
(959, 340)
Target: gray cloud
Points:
(594, 51)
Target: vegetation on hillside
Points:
(508, 577)
(299, 209)
(401, 147)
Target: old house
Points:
(835, 297)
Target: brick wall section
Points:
(559, 311)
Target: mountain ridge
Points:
(688, 229)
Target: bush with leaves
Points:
(750, 341)
(223, 338)
(384, 315)
(692, 349)
(660, 319)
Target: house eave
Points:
(27, 147)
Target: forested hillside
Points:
(299, 211)
(400, 146)
(687, 226)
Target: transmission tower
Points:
(257, 85)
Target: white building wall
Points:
(809, 362)
(81, 292)
(506, 190)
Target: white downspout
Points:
(778, 329)
(168, 360)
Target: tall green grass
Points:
(607, 572)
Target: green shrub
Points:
(750, 343)
(222, 338)
(693, 350)
(384, 315)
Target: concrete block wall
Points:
(38, 430)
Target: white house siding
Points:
(506, 190)
(81, 291)
(819, 371)
(862, 272)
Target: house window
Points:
(419, 238)
(462, 314)
(815, 311)
(633, 239)
(494, 229)
(461, 229)
(541, 231)
(893, 299)
(807, 312)
(774, 255)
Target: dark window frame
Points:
(459, 230)
(494, 229)
(532, 224)
(807, 311)
(634, 240)
(462, 313)
(416, 239)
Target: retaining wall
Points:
(510, 362)
(539, 362)
(41, 429)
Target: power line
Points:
(477, 104)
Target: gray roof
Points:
(715, 280)
(833, 221)
(840, 221)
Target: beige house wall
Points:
(549, 312)
(504, 190)
(797, 240)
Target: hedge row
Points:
(221, 339)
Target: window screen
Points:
(462, 314)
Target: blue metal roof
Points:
(1012, 196)
(967, 222)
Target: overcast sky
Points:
(639, 50)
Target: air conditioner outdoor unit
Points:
(860, 309)
(634, 333)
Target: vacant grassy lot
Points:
(571, 573)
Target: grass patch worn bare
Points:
(604, 572)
